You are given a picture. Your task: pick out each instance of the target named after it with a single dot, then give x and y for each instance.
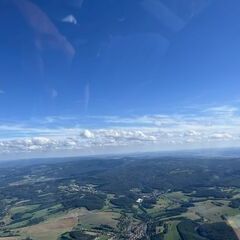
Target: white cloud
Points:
(70, 19)
(221, 136)
(87, 134)
(150, 131)
(82, 139)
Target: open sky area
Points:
(81, 77)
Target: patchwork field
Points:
(105, 199)
(211, 211)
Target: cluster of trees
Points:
(214, 193)
(149, 202)
(217, 231)
(234, 203)
(89, 201)
(123, 202)
(190, 230)
(76, 235)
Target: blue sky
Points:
(89, 76)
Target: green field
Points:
(172, 233)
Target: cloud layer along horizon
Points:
(211, 127)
